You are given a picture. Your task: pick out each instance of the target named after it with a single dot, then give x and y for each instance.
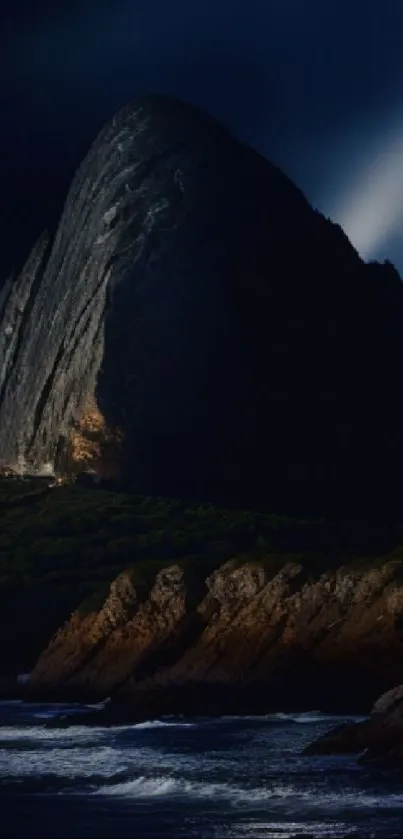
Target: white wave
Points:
(163, 724)
(99, 706)
(83, 733)
(142, 788)
(40, 733)
(244, 718)
(168, 785)
(318, 716)
(303, 717)
(149, 787)
(345, 798)
(350, 800)
(284, 830)
(103, 762)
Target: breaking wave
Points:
(273, 793)
(144, 787)
(162, 724)
(226, 777)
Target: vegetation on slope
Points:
(62, 546)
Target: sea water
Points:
(226, 777)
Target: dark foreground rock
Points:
(378, 739)
(195, 328)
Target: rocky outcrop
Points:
(196, 328)
(247, 637)
(379, 739)
(94, 653)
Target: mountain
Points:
(195, 329)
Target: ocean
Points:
(225, 777)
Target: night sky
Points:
(315, 86)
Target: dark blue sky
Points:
(315, 86)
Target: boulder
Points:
(379, 739)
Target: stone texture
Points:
(226, 338)
(379, 739)
(278, 638)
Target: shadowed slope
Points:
(198, 329)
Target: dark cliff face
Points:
(195, 327)
(245, 633)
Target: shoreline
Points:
(193, 700)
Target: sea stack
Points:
(195, 328)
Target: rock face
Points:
(195, 327)
(245, 638)
(378, 739)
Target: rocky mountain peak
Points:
(194, 327)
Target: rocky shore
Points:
(247, 638)
(379, 739)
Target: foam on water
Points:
(99, 706)
(303, 717)
(41, 733)
(63, 763)
(162, 724)
(285, 830)
(241, 776)
(315, 716)
(274, 794)
(74, 732)
(149, 787)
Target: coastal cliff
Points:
(195, 329)
(270, 633)
(168, 606)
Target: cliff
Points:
(270, 633)
(175, 607)
(196, 329)
(64, 544)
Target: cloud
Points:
(371, 208)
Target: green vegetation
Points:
(80, 537)
(62, 546)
